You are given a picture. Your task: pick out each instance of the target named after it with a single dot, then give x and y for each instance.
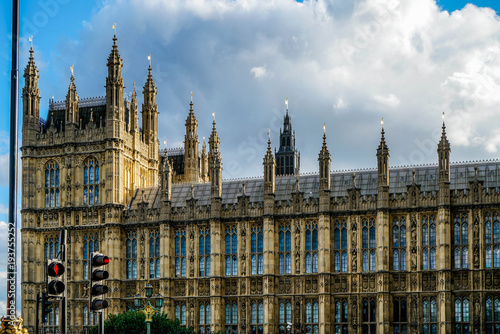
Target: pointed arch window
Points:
(257, 317)
(340, 246)
(285, 249)
(341, 310)
(369, 316)
(205, 249)
(492, 314)
(257, 249)
(312, 317)
(231, 317)
(492, 240)
(399, 244)
(180, 253)
(429, 306)
(428, 243)
(131, 255)
(90, 244)
(180, 313)
(52, 192)
(462, 316)
(400, 316)
(460, 242)
(154, 254)
(91, 182)
(231, 241)
(285, 315)
(311, 247)
(369, 244)
(204, 317)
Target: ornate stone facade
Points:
(383, 250)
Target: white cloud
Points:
(390, 100)
(259, 72)
(364, 58)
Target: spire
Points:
(72, 114)
(134, 113)
(31, 95)
(382, 148)
(287, 157)
(444, 156)
(115, 107)
(383, 159)
(149, 109)
(269, 168)
(191, 143)
(166, 177)
(204, 162)
(324, 159)
(213, 142)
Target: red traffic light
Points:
(100, 260)
(55, 269)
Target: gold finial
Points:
(286, 102)
(213, 115)
(31, 40)
(149, 58)
(134, 85)
(165, 143)
(72, 67)
(269, 134)
(114, 27)
(191, 96)
(382, 122)
(443, 117)
(324, 128)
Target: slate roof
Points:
(399, 178)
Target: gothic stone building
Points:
(400, 250)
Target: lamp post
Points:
(148, 309)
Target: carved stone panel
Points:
(231, 287)
(340, 284)
(429, 282)
(256, 286)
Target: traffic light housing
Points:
(97, 288)
(55, 278)
(46, 309)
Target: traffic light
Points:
(46, 309)
(96, 287)
(55, 278)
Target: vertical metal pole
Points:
(64, 303)
(148, 327)
(14, 107)
(101, 324)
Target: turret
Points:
(324, 159)
(134, 113)
(204, 163)
(114, 91)
(191, 167)
(166, 179)
(287, 157)
(31, 101)
(269, 169)
(213, 143)
(149, 110)
(72, 115)
(444, 168)
(383, 171)
(216, 177)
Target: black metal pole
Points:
(14, 107)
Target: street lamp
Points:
(148, 309)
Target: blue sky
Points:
(346, 62)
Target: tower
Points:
(150, 110)
(191, 163)
(213, 143)
(324, 159)
(287, 157)
(31, 102)
(269, 170)
(115, 108)
(72, 114)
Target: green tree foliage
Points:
(134, 322)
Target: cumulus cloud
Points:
(259, 72)
(404, 60)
